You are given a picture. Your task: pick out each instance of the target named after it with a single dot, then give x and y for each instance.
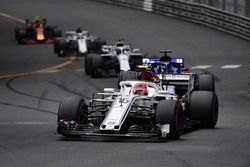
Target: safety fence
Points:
(198, 13)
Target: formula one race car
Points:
(158, 66)
(139, 109)
(117, 57)
(36, 31)
(79, 42)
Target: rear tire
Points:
(206, 83)
(88, 60)
(204, 107)
(170, 112)
(56, 45)
(96, 64)
(60, 47)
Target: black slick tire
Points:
(96, 64)
(60, 47)
(170, 112)
(87, 63)
(20, 34)
(206, 82)
(204, 107)
(70, 109)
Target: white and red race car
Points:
(139, 109)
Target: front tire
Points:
(170, 112)
(20, 34)
(71, 109)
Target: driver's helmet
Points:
(140, 90)
(37, 18)
(105, 49)
(79, 30)
(37, 21)
(126, 50)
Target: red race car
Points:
(36, 31)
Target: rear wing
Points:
(149, 61)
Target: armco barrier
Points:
(198, 13)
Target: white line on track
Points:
(202, 67)
(231, 66)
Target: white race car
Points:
(79, 42)
(139, 109)
(118, 57)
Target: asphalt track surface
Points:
(29, 103)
